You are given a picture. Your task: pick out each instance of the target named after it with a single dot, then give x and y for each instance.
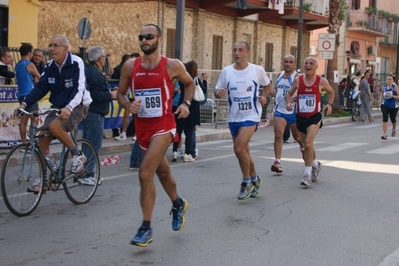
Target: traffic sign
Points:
(326, 42)
(326, 55)
(84, 28)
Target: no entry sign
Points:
(326, 42)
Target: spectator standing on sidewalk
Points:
(5, 62)
(155, 123)
(365, 96)
(187, 125)
(241, 81)
(307, 89)
(26, 76)
(93, 124)
(371, 81)
(283, 117)
(126, 113)
(389, 97)
(177, 151)
(37, 60)
(125, 120)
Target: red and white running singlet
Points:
(308, 98)
(155, 90)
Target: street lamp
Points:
(299, 45)
(179, 29)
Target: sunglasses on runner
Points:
(147, 36)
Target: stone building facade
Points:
(116, 24)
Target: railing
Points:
(319, 7)
(374, 22)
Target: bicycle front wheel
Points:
(81, 187)
(21, 168)
(354, 110)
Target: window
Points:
(373, 3)
(355, 4)
(269, 57)
(4, 26)
(170, 44)
(217, 52)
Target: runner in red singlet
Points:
(150, 79)
(309, 114)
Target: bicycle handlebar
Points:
(49, 111)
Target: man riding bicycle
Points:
(64, 77)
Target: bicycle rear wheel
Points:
(354, 110)
(76, 185)
(21, 168)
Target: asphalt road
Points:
(350, 217)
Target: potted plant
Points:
(395, 18)
(384, 14)
(371, 10)
(359, 23)
(307, 7)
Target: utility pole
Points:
(397, 59)
(299, 45)
(179, 28)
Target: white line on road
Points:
(391, 149)
(352, 165)
(342, 146)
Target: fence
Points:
(215, 111)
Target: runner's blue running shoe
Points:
(178, 219)
(142, 238)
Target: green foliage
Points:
(384, 14)
(371, 10)
(362, 23)
(342, 12)
(340, 114)
(307, 7)
(395, 18)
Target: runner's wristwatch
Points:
(187, 102)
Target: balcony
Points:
(314, 17)
(319, 7)
(370, 24)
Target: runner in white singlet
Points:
(241, 83)
(283, 117)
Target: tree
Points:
(336, 14)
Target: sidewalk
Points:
(204, 133)
(209, 133)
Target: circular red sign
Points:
(326, 45)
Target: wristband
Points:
(69, 107)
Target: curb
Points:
(203, 135)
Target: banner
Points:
(9, 130)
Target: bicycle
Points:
(24, 164)
(355, 105)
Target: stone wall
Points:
(116, 24)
